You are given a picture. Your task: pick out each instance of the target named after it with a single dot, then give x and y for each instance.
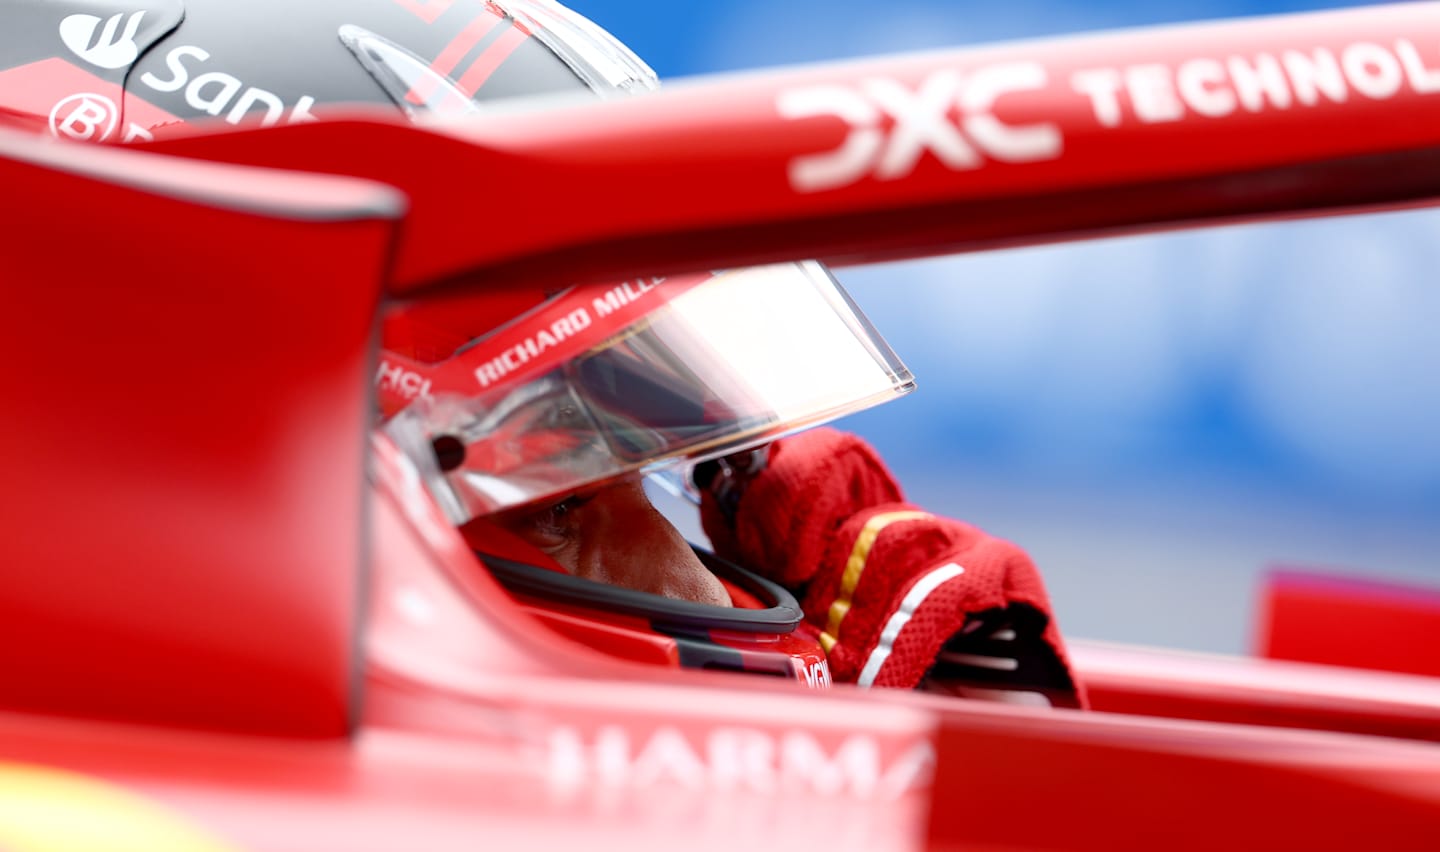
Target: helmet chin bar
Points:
(764, 641)
(782, 613)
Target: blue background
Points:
(1157, 419)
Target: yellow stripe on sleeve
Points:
(855, 567)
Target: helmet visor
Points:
(604, 381)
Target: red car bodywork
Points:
(233, 619)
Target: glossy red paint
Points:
(700, 175)
(1250, 691)
(184, 452)
(222, 594)
(1122, 782)
(1316, 617)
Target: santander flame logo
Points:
(111, 49)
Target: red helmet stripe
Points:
(571, 323)
(491, 59)
(558, 331)
(54, 89)
(450, 55)
(464, 42)
(426, 10)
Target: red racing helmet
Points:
(503, 398)
(646, 377)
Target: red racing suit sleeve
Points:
(900, 597)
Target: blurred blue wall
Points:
(1157, 419)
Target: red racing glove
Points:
(900, 597)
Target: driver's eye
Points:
(549, 526)
(557, 512)
(554, 525)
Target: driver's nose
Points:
(625, 541)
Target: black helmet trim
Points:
(667, 615)
(709, 656)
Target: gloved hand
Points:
(901, 597)
(778, 515)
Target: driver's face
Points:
(612, 534)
